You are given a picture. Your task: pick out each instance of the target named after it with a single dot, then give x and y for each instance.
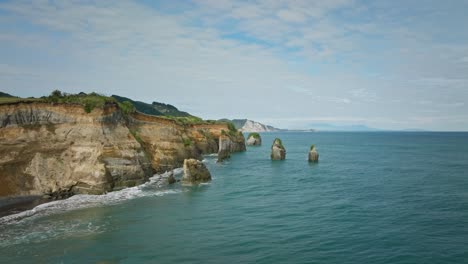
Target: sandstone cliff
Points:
(52, 148)
(229, 143)
(195, 172)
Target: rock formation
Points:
(60, 148)
(195, 172)
(278, 152)
(171, 179)
(254, 139)
(230, 142)
(47, 149)
(313, 154)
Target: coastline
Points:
(14, 205)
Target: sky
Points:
(399, 64)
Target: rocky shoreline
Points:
(13, 205)
(54, 149)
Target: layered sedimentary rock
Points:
(278, 152)
(229, 143)
(53, 149)
(195, 172)
(313, 154)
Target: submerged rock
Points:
(254, 139)
(313, 154)
(278, 152)
(195, 171)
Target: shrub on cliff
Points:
(127, 107)
(231, 126)
(279, 142)
(254, 135)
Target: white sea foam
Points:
(154, 187)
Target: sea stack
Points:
(278, 152)
(313, 154)
(254, 139)
(195, 172)
(231, 141)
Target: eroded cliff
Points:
(52, 148)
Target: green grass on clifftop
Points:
(280, 143)
(94, 100)
(254, 135)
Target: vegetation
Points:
(157, 109)
(231, 127)
(169, 110)
(187, 142)
(136, 136)
(254, 135)
(139, 106)
(185, 121)
(8, 98)
(2, 94)
(127, 107)
(279, 142)
(88, 101)
(312, 147)
(232, 130)
(92, 100)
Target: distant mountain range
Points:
(332, 127)
(2, 94)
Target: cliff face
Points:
(169, 144)
(46, 149)
(229, 143)
(246, 125)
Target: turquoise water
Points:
(372, 198)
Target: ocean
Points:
(380, 197)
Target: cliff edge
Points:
(51, 148)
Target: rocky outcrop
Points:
(313, 154)
(169, 143)
(278, 152)
(254, 139)
(47, 149)
(195, 172)
(230, 142)
(171, 179)
(59, 149)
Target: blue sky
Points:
(385, 64)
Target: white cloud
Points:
(298, 54)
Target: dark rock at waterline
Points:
(313, 154)
(171, 179)
(13, 205)
(278, 152)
